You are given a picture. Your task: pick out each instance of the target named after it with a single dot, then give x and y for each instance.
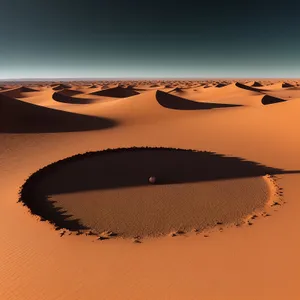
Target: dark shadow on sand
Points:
(128, 167)
(176, 90)
(61, 97)
(257, 84)
(60, 87)
(249, 88)
(17, 116)
(267, 99)
(220, 85)
(174, 102)
(287, 85)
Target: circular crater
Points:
(146, 191)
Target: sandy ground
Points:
(248, 120)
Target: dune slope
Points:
(21, 117)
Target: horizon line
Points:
(136, 78)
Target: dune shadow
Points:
(174, 102)
(17, 116)
(116, 92)
(287, 85)
(257, 84)
(68, 92)
(61, 97)
(176, 90)
(94, 86)
(128, 167)
(221, 84)
(267, 100)
(249, 88)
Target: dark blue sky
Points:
(105, 38)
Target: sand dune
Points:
(69, 92)
(285, 93)
(174, 102)
(94, 86)
(221, 84)
(66, 96)
(21, 117)
(19, 92)
(154, 85)
(287, 85)
(177, 90)
(229, 94)
(257, 84)
(61, 87)
(246, 87)
(117, 92)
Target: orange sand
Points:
(245, 121)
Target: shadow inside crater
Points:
(128, 167)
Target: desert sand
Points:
(80, 219)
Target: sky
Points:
(149, 39)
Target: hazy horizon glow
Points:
(118, 39)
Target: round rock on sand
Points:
(152, 180)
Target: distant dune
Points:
(117, 92)
(94, 86)
(249, 88)
(61, 87)
(287, 85)
(220, 85)
(257, 84)
(67, 96)
(18, 92)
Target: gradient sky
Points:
(166, 38)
